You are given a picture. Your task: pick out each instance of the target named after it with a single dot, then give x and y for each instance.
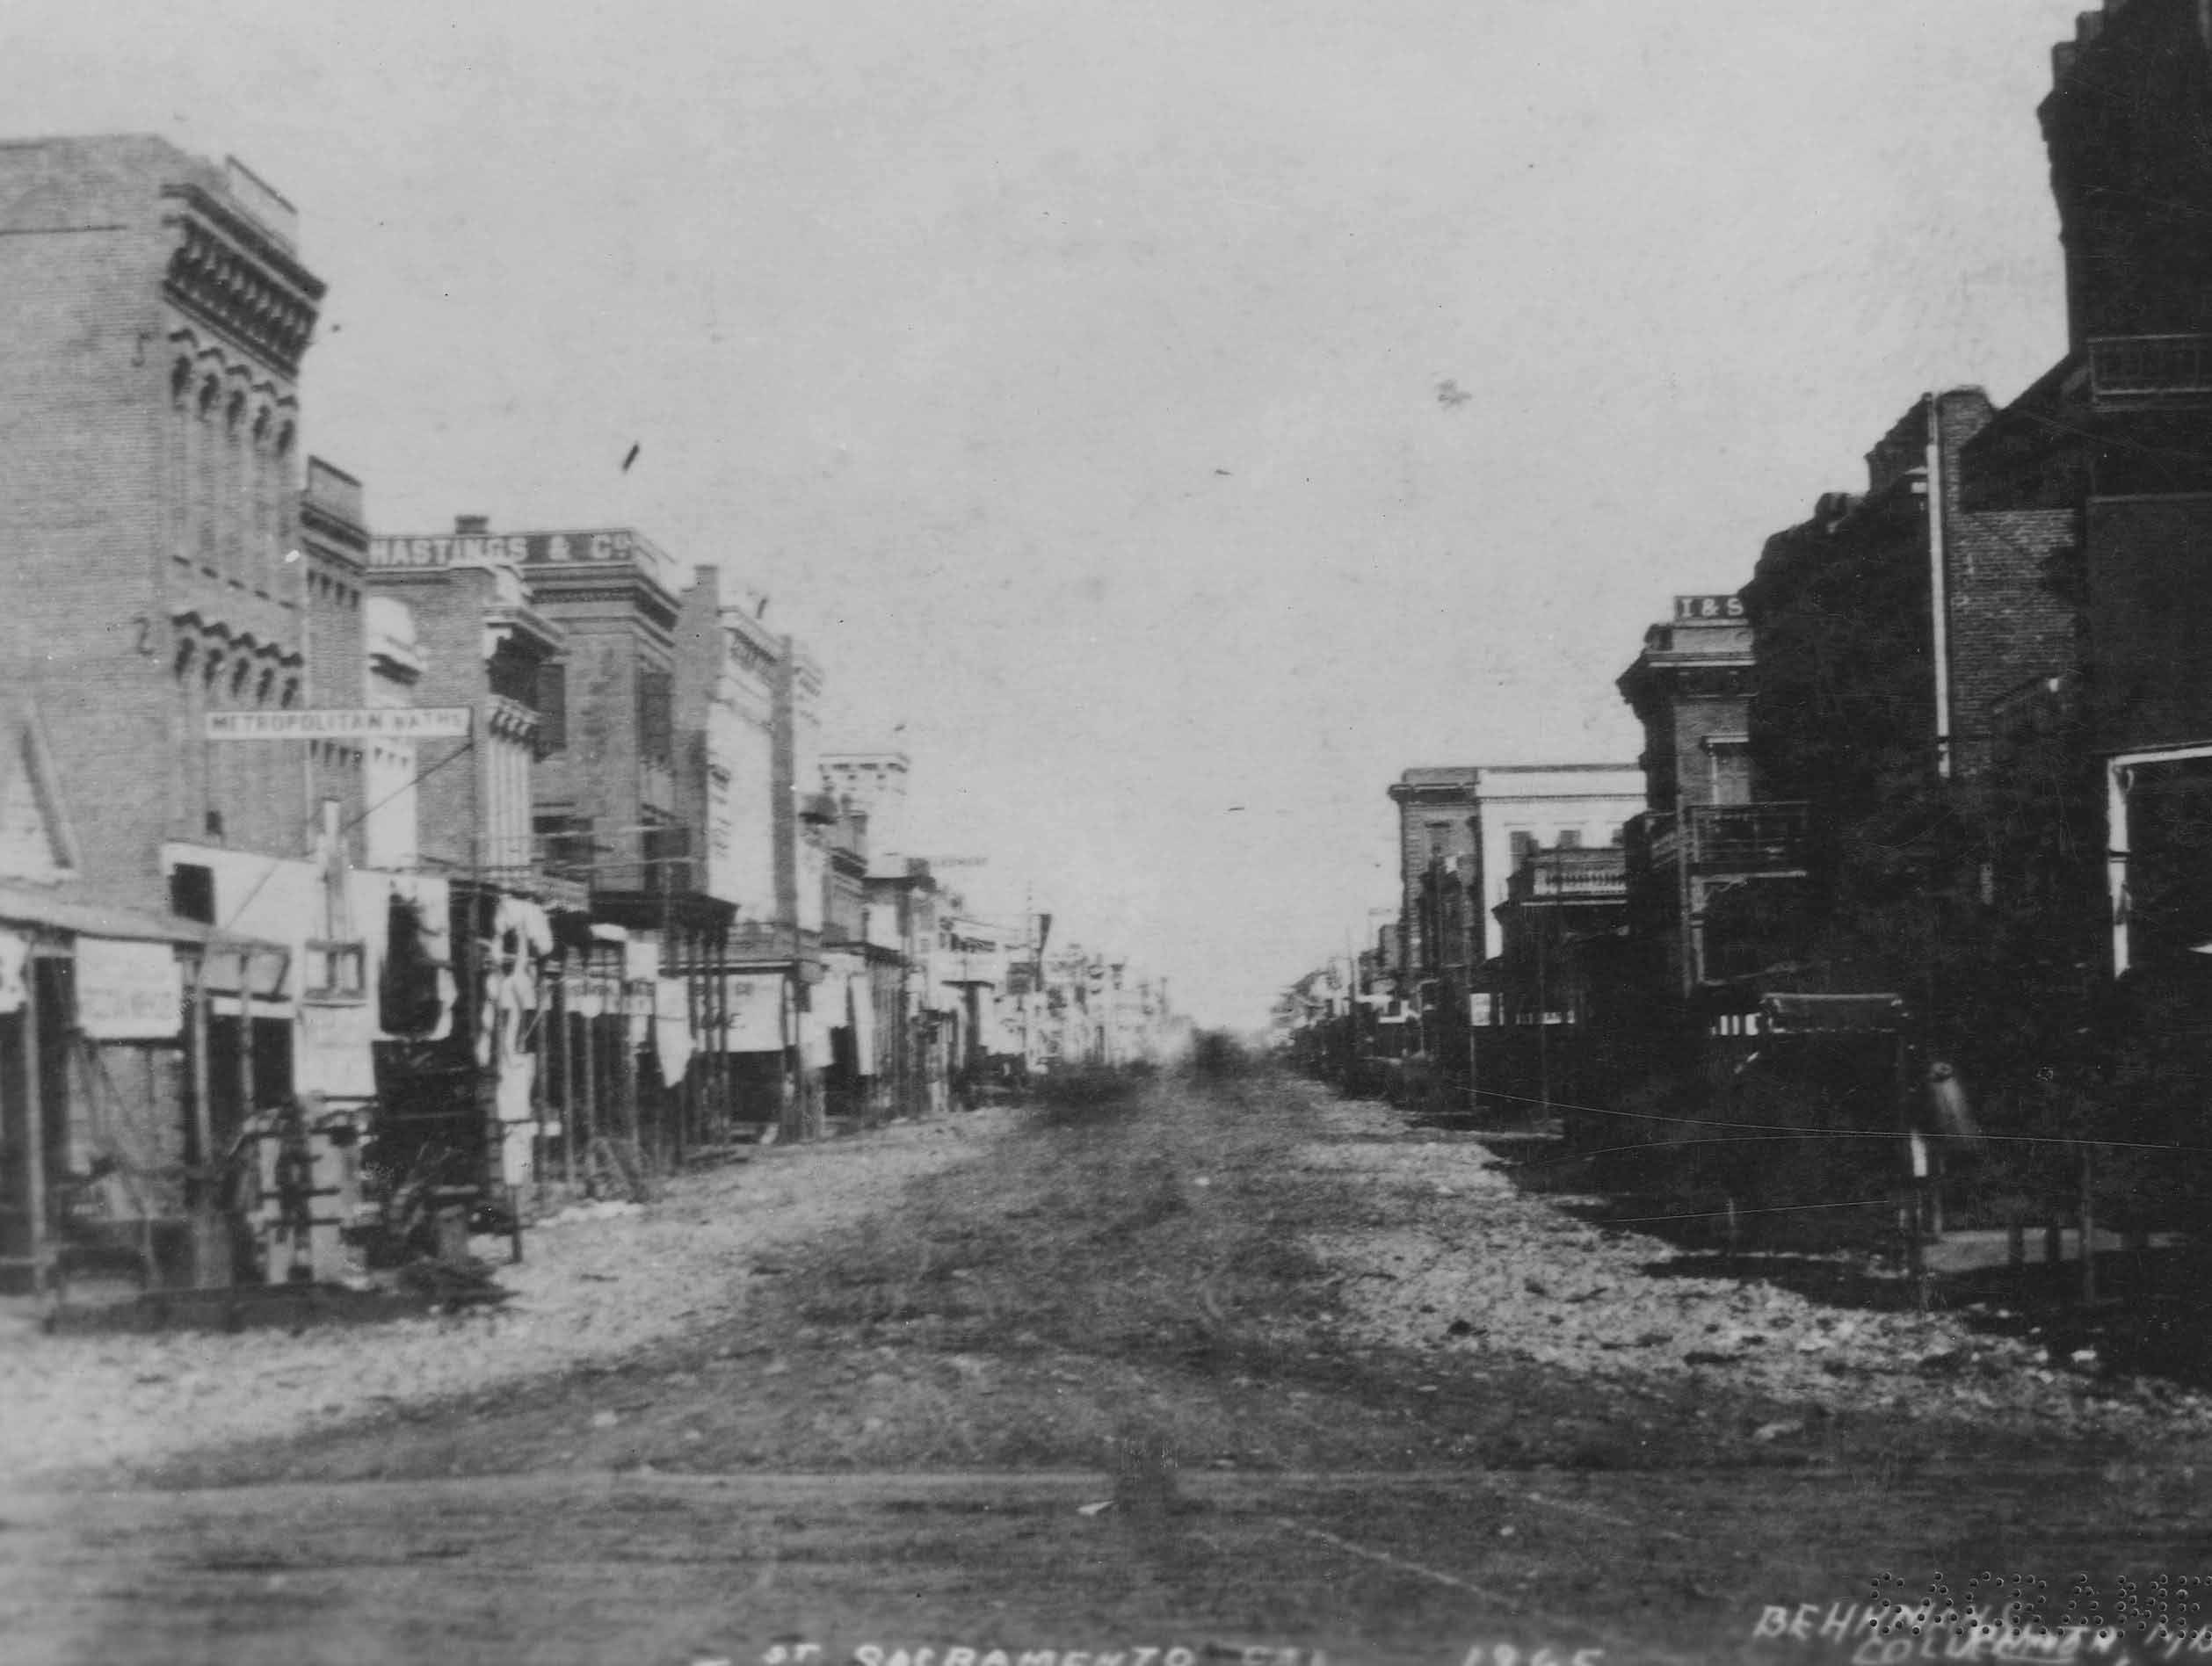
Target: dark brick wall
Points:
(1432, 818)
(2151, 618)
(2124, 125)
(2008, 626)
(1696, 720)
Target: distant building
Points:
(726, 675)
(1703, 834)
(1475, 823)
(1557, 901)
(873, 785)
(567, 802)
(333, 547)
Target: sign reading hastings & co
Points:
(523, 549)
(394, 723)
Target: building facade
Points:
(1705, 833)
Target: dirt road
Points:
(1112, 1384)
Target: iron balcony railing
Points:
(1739, 838)
(1581, 876)
(2138, 369)
(653, 861)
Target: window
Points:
(1732, 770)
(1522, 843)
(192, 892)
(1569, 838)
(335, 971)
(656, 715)
(553, 706)
(565, 842)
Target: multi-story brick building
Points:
(1462, 832)
(2118, 437)
(1889, 628)
(566, 643)
(726, 673)
(1475, 821)
(158, 313)
(748, 705)
(476, 638)
(333, 548)
(1703, 833)
(465, 632)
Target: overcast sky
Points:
(1073, 377)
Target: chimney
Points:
(471, 526)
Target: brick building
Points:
(726, 671)
(158, 313)
(2118, 437)
(1462, 832)
(748, 704)
(1703, 833)
(565, 644)
(333, 547)
(1890, 626)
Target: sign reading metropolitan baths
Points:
(394, 723)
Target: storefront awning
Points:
(87, 915)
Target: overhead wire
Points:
(466, 749)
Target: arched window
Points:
(290, 695)
(180, 382)
(187, 651)
(234, 414)
(208, 393)
(268, 687)
(284, 440)
(238, 675)
(261, 428)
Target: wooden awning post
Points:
(34, 1128)
(203, 1118)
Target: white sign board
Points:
(397, 723)
(127, 991)
(756, 1008)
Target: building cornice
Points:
(227, 274)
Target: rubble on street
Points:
(1477, 1266)
(609, 1284)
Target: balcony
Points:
(520, 864)
(2144, 370)
(1572, 875)
(1726, 839)
(651, 861)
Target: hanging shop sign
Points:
(755, 1003)
(128, 991)
(591, 994)
(332, 1050)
